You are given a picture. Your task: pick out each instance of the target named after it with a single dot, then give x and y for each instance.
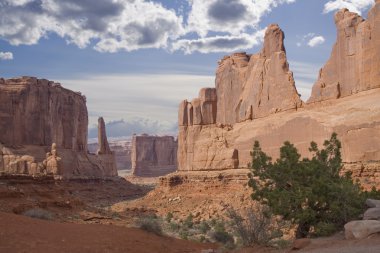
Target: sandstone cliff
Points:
(34, 114)
(255, 99)
(103, 146)
(354, 64)
(153, 156)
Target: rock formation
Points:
(122, 150)
(153, 156)
(354, 64)
(36, 116)
(103, 146)
(255, 99)
(52, 162)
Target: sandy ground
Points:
(96, 216)
(22, 234)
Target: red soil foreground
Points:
(23, 234)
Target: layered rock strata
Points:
(255, 99)
(34, 114)
(153, 156)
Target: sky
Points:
(135, 60)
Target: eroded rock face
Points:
(153, 156)
(39, 116)
(103, 146)
(39, 112)
(354, 64)
(254, 86)
(256, 100)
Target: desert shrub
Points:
(188, 222)
(257, 227)
(150, 224)
(169, 217)
(184, 234)
(39, 213)
(222, 237)
(311, 193)
(173, 226)
(204, 227)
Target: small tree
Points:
(308, 192)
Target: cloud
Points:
(228, 16)
(316, 41)
(126, 25)
(112, 25)
(6, 56)
(220, 43)
(154, 97)
(353, 5)
(123, 128)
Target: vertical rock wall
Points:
(34, 114)
(153, 156)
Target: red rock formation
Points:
(254, 86)
(257, 100)
(39, 112)
(354, 64)
(103, 146)
(153, 156)
(34, 114)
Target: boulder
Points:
(372, 203)
(361, 229)
(372, 214)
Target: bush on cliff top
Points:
(309, 192)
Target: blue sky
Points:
(135, 60)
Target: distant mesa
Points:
(255, 98)
(153, 156)
(43, 130)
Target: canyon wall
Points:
(255, 99)
(42, 123)
(153, 156)
(354, 64)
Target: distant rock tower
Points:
(104, 147)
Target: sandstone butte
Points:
(44, 131)
(255, 98)
(153, 156)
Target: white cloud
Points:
(154, 97)
(316, 41)
(353, 5)
(232, 17)
(112, 24)
(228, 43)
(6, 56)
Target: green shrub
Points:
(204, 227)
(257, 226)
(222, 237)
(169, 217)
(150, 224)
(188, 222)
(174, 227)
(39, 213)
(308, 192)
(324, 229)
(184, 234)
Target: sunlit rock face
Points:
(34, 114)
(354, 64)
(255, 99)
